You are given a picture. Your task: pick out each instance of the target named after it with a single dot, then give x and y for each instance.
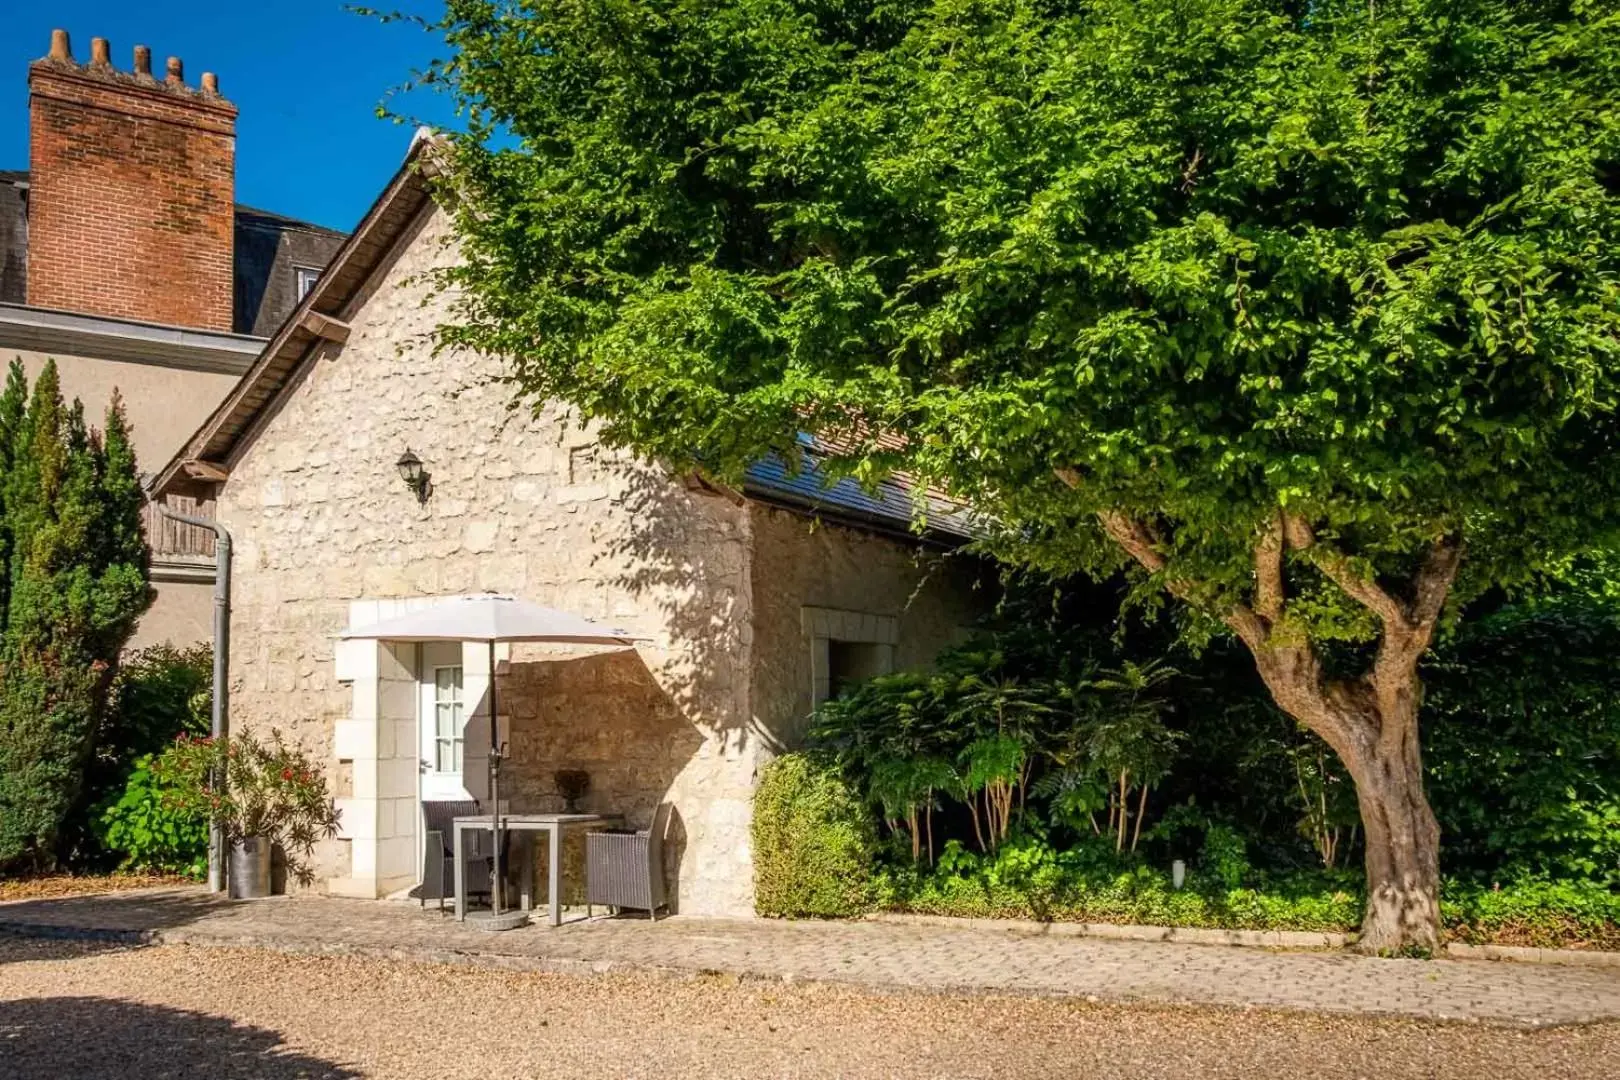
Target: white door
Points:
(443, 727)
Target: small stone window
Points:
(846, 647)
(852, 662)
(305, 277)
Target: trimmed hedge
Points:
(813, 842)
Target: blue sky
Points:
(305, 74)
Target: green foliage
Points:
(1030, 880)
(75, 584)
(1214, 257)
(270, 790)
(1522, 726)
(812, 839)
(1534, 911)
(983, 733)
(144, 826)
(1090, 883)
(1524, 740)
(160, 693)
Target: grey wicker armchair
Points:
(438, 855)
(626, 869)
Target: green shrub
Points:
(813, 841)
(1533, 911)
(1028, 880)
(146, 828)
(160, 693)
(73, 582)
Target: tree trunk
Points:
(1370, 721)
(1372, 724)
(1403, 850)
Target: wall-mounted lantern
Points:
(416, 478)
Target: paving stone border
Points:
(1186, 935)
(933, 956)
(1253, 939)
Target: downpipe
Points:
(220, 715)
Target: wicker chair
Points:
(626, 869)
(438, 856)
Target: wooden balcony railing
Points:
(174, 539)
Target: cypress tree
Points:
(122, 558)
(13, 405)
(76, 586)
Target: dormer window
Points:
(306, 277)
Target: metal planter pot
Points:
(250, 868)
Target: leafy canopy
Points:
(1209, 257)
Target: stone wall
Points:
(919, 599)
(531, 506)
(327, 535)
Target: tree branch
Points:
(1132, 535)
(1433, 584)
(1135, 537)
(1339, 569)
(1268, 570)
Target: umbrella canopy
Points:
(491, 618)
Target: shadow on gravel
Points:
(99, 922)
(101, 1039)
(72, 926)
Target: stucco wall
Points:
(181, 614)
(164, 405)
(799, 563)
(528, 506)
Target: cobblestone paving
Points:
(888, 955)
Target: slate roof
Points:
(268, 246)
(891, 506)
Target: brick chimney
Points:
(131, 189)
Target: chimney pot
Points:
(99, 52)
(210, 83)
(143, 61)
(177, 73)
(61, 48)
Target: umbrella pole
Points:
(497, 885)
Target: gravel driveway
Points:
(76, 1010)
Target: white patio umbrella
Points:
(492, 618)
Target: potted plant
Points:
(272, 795)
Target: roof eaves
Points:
(291, 344)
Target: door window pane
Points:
(449, 716)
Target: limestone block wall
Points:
(812, 580)
(520, 504)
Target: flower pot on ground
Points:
(272, 796)
(249, 871)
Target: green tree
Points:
(1287, 305)
(75, 588)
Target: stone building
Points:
(753, 604)
(124, 256)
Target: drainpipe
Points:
(222, 666)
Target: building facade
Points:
(125, 258)
(752, 604)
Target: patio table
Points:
(552, 824)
